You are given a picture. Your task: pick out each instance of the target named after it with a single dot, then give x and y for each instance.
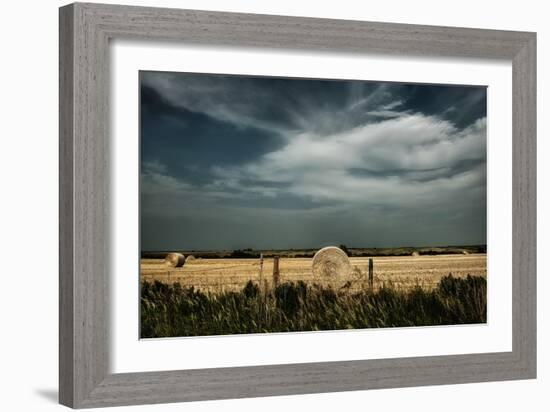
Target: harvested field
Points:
(399, 272)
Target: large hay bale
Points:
(189, 259)
(331, 262)
(415, 253)
(174, 260)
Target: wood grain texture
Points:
(66, 228)
(524, 237)
(85, 31)
(84, 164)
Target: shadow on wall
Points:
(51, 395)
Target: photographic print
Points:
(273, 204)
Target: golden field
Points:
(400, 272)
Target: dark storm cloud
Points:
(189, 143)
(232, 161)
(459, 105)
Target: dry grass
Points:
(173, 310)
(401, 273)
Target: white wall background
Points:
(28, 210)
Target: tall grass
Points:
(170, 310)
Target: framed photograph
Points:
(257, 205)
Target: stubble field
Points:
(398, 272)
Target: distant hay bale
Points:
(331, 262)
(465, 252)
(189, 259)
(415, 253)
(174, 260)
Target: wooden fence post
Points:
(371, 275)
(261, 270)
(275, 271)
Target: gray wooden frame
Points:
(85, 31)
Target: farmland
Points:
(227, 295)
(400, 272)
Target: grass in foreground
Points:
(170, 310)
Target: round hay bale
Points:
(190, 259)
(415, 253)
(331, 262)
(465, 252)
(174, 260)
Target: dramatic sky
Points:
(233, 162)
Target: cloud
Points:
(276, 105)
(412, 155)
(274, 159)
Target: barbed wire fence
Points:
(362, 278)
